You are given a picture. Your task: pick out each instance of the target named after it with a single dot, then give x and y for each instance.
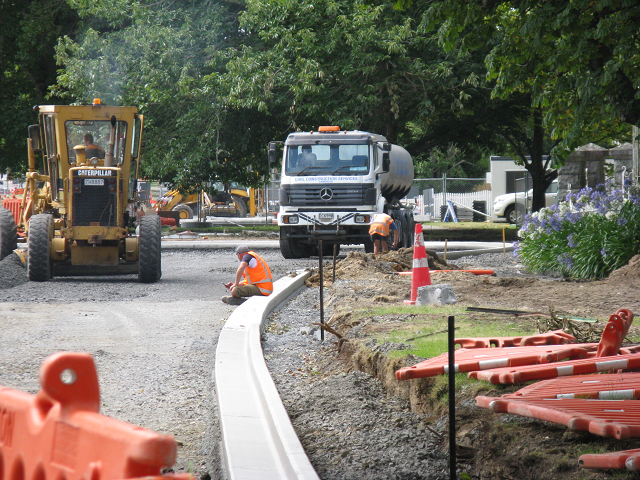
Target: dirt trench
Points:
(490, 445)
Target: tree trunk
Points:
(538, 166)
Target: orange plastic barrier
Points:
(629, 459)
(614, 332)
(608, 418)
(13, 204)
(59, 434)
(556, 337)
(474, 359)
(570, 367)
(420, 274)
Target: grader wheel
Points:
(8, 233)
(39, 261)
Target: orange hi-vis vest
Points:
(260, 275)
(381, 224)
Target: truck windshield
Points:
(95, 134)
(327, 160)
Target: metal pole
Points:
(321, 290)
(444, 190)
(335, 254)
(452, 399)
(635, 170)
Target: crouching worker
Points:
(380, 228)
(257, 277)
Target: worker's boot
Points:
(230, 300)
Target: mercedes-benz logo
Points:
(326, 194)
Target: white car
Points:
(511, 206)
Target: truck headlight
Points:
(290, 219)
(361, 219)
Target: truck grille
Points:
(94, 203)
(330, 194)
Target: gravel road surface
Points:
(154, 348)
(153, 345)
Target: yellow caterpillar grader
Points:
(78, 211)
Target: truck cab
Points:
(332, 183)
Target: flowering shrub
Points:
(589, 235)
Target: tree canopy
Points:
(29, 31)
(450, 80)
(578, 60)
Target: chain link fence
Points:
(433, 197)
(470, 197)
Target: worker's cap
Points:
(242, 249)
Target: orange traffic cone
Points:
(420, 276)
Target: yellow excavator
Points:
(230, 202)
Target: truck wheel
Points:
(409, 227)
(8, 233)
(514, 214)
(150, 267)
(39, 262)
(398, 217)
(185, 211)
(291, 248)
(241, 206)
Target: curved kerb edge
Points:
(258, 439)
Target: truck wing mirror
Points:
(273, 149)
(386, 162)
(34, 135)
(386, 147)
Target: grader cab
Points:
(78, 209)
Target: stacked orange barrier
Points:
(608, 418)
(475, 360)
(13, 204)
(59, 434)
(614, 332)
(629, 459)
(556, 337)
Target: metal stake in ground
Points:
(321, 291)
(452, 398)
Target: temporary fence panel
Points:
(463, 192)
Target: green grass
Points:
(425, 328)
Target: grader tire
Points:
(39, 261)
(150, 265)
(240, 205)
(186, 212)
(8, 233)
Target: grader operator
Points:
(78, 208)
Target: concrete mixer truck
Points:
(333, 182)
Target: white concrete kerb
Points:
(258, 440)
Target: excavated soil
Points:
(490, 445)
